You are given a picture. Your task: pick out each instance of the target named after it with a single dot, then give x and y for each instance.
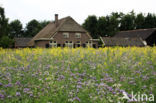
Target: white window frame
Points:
(53, 43)
(68, 44)
(66, 35)
(77, 35)
(88, 44)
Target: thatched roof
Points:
(65, 24)
(112, 41)
(22, 42)
(139, 33)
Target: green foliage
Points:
(43, 24)
(140, 19)
(150, 21)
(15, 29)
(33, 27)
(3, 23)
(6, 42)
(90, 24)
(110, 24)
(128, 21)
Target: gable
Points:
(71, 25)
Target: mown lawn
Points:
(77, 75)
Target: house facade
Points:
(65, 32)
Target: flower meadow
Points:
(79, 75)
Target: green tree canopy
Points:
(139, 21)
(15, 29)
(102, 25)
(43, 23)
(150, 21)
(128, 21)
(32, 28)
(3, 23)
(90, 25)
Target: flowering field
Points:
(77, 75)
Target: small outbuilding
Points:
(148, 35)
(124, 42)
(21, 42)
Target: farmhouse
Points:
(147, 35)
(65, 32)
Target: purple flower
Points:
(79, 86)
(113, 92)
(26, 90)
(61, 77)
(1, 84)
(110, 89)
(8, 85)
(77, 98)
(1, 96)
(18, 94)
(18, 83)
(31, 95)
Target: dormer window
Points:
(77, 35)
(66, 35)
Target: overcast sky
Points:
(26, 10)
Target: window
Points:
(66, 35)
(53, 43)
(69, 44)
(78, 44)
(77, 35)
(89, 44)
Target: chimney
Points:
(56, 20)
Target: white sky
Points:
(26, 10)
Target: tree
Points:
(109, 25)
(150, 21)
(101, 26)
(90, 25)
(139, 21)
(6, 42)
(43, 23)
(15, 29)
(3, 23)
(113, 22)
(32, 28)
(128, 21)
